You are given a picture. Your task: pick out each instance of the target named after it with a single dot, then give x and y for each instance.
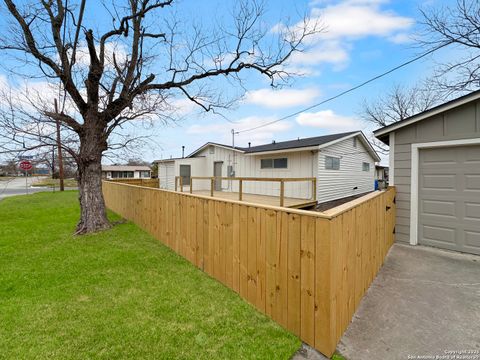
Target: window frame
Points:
(332, 160)
(367, 167)
(272, 163)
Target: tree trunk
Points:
(93, 215)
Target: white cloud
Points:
(222, 130)
(401, 38)
(330, 121)
(183, 106)
(344, 22)
(283, 98)
(326, 52)
(355, 19)
(82, 55)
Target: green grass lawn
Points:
(116, 294)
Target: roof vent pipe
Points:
(273, 141)
(183, 151)
(249, 144)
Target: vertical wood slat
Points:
(240, 190)
(228, 240)
(261, 260)
(281, 273)
(307, 269)
(306, 272)
(243, 249)
(252, 255)
(293, 271)
(236, 248)
(282, 192)
(271, 240)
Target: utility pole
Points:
(233, 153)
(53, 161)
(59, 149)
(233, 147)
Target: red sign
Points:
(25, 165)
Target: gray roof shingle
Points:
(299, 143)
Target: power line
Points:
(352, 88)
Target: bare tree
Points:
(129, 72)
(137, 162)
(456, 25)
(398, 104)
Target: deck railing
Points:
(180, 185)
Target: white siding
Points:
(166, 175)
(331, 184)
(300, 164)
(336, 184)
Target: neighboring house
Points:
(344, 165)
(381, 173)
(381, 177)
(125, 171)
(435, 166)
(42, 171)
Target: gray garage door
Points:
(449, 198)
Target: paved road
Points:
(17, 187)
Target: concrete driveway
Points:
(424, 303)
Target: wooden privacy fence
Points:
(152, 183)
(241, 180)
(306, 270)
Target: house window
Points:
(280, 163)
(266, 164)
(332, 163)
(122, 174)
(144, 174)
(366, 166)
(354, 142)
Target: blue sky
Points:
(361, 39)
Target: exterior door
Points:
(449, 198)
(217, 172)
(185, 172)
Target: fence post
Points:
(181, 184)
(212, 183)
(240, 190)
(176, 178)
(191, 185)
(314, 189)
(282, 192)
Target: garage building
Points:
(435, 166)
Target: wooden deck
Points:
(259, 199)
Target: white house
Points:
(343, 164)
(126, 171)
